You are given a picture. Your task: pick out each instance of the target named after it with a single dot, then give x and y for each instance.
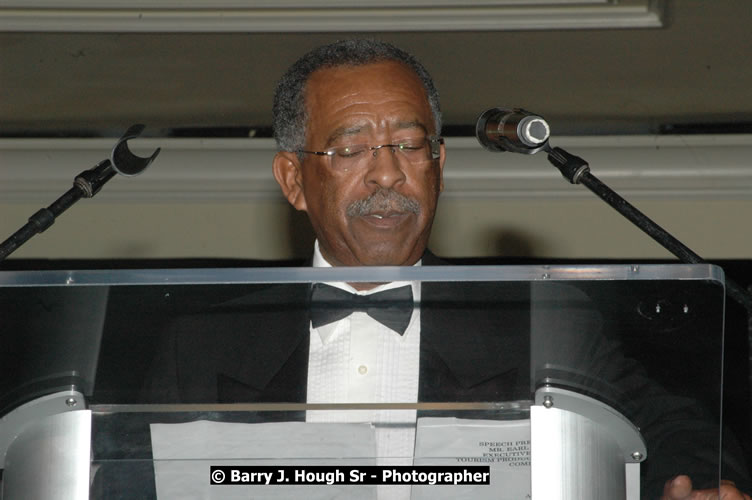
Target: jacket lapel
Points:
(475, 343)
(258, 346)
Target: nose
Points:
(385, 169)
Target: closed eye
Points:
(351, 151)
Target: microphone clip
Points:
(571, 167)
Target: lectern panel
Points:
(171, 357)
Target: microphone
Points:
(515, 130)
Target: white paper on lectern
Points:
(184, 452)
(504, 445)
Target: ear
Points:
(442, 157)
(287, 171)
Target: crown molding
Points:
(698, 167)
(249, 16)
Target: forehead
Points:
(373, 94)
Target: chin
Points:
(387, 259)
(403, 252)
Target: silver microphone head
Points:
(515, 130)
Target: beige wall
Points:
(591, 229)
(264, 229)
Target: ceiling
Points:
(693, 74)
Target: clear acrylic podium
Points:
(566, 382)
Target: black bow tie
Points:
(392, 308)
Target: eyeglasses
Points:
(415, 151)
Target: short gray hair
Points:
(289, 110)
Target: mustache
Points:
(383, 200)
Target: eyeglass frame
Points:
(434, 141)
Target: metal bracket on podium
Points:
(582, 449)
(45, 449)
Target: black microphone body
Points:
(514, 130)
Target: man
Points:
(367, 99)
(369, 205)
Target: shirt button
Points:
(362, 369)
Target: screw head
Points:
(548, 401)
(636, 456)
(71, 402)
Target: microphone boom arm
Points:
(577, 171)
(520, 131)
